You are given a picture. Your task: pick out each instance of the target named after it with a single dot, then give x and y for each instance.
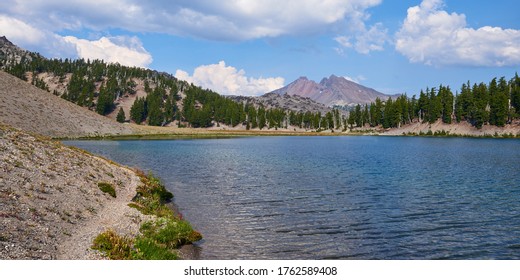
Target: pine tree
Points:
(378, 112)
(479, 110)
(121, 115)
(423, 106)
(499, 102)
(261, 118)
(105, 102)
(154, 102)
(388, 114)
(366, 115)
(464, 102)
(446, 98)
(434, 107)
(515, 94)
(138, 110)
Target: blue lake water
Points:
(339, 197)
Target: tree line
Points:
(496, 103)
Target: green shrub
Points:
(115, 247)
(147, 249)
(152, 186)
(169, 232)
(107, 188)
(151, 197)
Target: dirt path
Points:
(115, 214)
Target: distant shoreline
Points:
(437, 129)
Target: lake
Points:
(339, 197)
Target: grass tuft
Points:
(169, 232)
(107, 188)
(115, 247)
(148, 249)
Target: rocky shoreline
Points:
(51, 205)
(462, 129)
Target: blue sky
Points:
(252, 47)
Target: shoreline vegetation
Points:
(159, 238)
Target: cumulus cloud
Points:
(365, 40)
(372, 39)
(234, 20)
(124, 50)
(433, 36)
(34, 39)
(19, 31)
(209, 19)
(229, 81)
(121, 49)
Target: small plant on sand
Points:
(151, 197)
(115, 247)
(170, 232)
(107, 188)
(153, 186)
(148, 249)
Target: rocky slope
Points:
(332, 91)
(460, 129)
(12, 54)
(34, 110)
(50, 204)
(295, 103)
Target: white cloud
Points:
(233, 20)
(344, 41)
(229, 81)
(209, 19)
(29, 37)
(124, 50)
(372, 39)
(18, 31)
(365, 40)
(433, 36)
(358, 79)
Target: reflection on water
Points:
(339, 197)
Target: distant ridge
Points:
(332, 91)
(286, 102)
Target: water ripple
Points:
(339, 197)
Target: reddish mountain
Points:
(332, 91)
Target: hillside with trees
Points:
(496, 103)
(152, 98)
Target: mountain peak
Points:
(331, 91)
(5, 41)
(10, 52)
